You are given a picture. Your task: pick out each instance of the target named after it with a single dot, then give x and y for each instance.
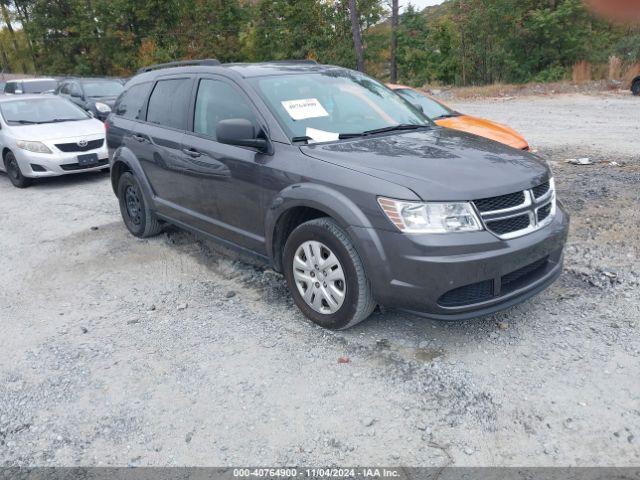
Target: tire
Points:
(635, 88)
(139, 220)
(14, 173)
(323, 236)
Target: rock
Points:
(579, 161)
(83, 329)
(368, 422)
(182, 306)
(469, 451)
(94, 228)
(343, 359)
(151, 308)
(230, 294)
(188, 437)
(133, 321)
(503, 325)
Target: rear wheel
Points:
(140, 221)
(635, 88)
(14, 173)
(325, 275)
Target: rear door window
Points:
(131, 102)
(169, 103)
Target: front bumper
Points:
(460, 276)
(37, 165)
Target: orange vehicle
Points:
(446, 117)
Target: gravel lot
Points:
(120, 351)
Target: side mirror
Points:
(240, 132)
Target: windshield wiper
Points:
(24, 122)
(58, 120)
(447, 115)
(392, 128)
(301, 139)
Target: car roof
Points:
(91, 79)
(244, 70)
(27, 80)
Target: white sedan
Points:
(45, 136)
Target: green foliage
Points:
(459, 42)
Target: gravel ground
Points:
(120, 351)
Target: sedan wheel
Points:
(14, 173)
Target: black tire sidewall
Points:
(635, 88)
(126, 180)
(343, 316)
(19, 182)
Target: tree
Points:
(357, 39)
(394, 41)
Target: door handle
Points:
(139, 138)
(192, 152)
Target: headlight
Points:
(37, 147)
(103, 107)
(416, 217)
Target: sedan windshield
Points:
(103, 88)
(431, 108)
(41, 110)
(39, 86)
(337, 104)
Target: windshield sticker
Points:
(304, 108)
(321, 135)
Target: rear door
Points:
(224, 188)
(159, 141)
(127, 112)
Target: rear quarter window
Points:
(129, 104)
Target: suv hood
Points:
(438, 163)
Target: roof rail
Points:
(303, 62)
(180, 63)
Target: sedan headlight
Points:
(37, 147)
(103, 107)
(417, 217)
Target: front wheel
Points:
(140, 221)
(14, 173)
(326, 276)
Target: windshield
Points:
(102, 88)
(39, 86)
(40, 110)
(430, 107)
(323, 105)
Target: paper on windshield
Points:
(320, 135)
(304, 108)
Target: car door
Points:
(224, 188)
(159, 139)
(128, 111)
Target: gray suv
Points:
(338, 183)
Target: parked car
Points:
(95, 95)
(45, 136)
(30, 85)
(635, 86)
(446, 117)
(338, 183)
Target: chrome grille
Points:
(518, 213)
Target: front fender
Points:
(319, 197)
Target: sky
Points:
(420, 4)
